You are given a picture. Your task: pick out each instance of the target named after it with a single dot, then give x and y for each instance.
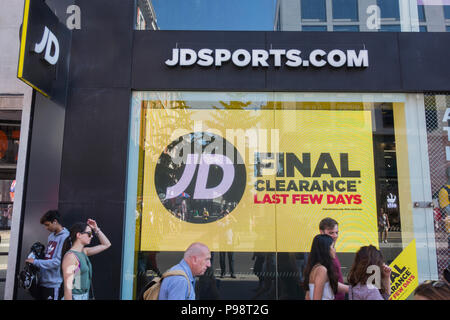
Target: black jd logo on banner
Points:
(200, 177)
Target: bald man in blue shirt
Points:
(197, 258)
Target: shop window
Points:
(277, 146)
(437, 108)
(314, 10)
(10, 116)
(345, 9)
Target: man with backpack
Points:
(181, 285)
(50, 281)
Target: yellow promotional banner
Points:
(404, 276)
(257, 180)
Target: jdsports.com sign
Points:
(283, 61)
(293, 58)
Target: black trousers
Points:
(45, 293)
(223, 267)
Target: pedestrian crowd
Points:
(66, 271)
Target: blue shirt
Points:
(176, 287)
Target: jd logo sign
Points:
(48, 42)
(200, 177)
(44, 47)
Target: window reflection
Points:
(390, 28)
(292, 15)
(314, 28)
(447, 11)
(346, 28)
(389, 9)
(313, 10)
(345, 9)
(421, 13)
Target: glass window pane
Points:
(250, 237)
(346, 28)
(314, 9)
(389, 8)
(447, 28)
(436, 106)
(390, 28)
(421, 11)
(423, 29)
(9, 148)
(345, 9)
(230, 15)
(447, 12)
(314, 28)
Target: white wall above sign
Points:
(262, 58)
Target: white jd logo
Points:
(48, 40)
(201, 191)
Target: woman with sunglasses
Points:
(76, 267)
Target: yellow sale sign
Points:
(404, 275)
(257, 180)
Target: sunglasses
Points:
(436, 283)
(89, 233)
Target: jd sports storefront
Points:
(245, 141)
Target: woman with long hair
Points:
(368, 260)
(76, 267)
(320, 280)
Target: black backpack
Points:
(29, 277)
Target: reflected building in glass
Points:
(145, 16)
(362, 15)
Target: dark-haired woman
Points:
(369, 265)
(321, 280)
(76, 267)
